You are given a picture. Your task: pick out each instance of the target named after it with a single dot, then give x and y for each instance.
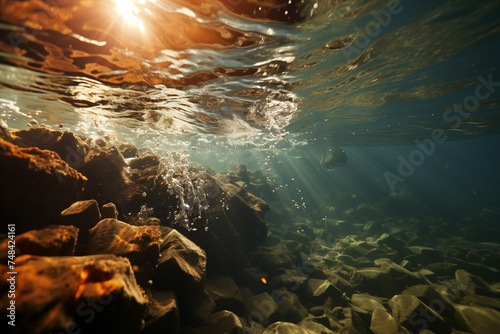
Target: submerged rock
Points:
(54, 240)
(162, 313)
(83, 214)
(36, 186)
(182, 266)
(89, 294)
(225, 293)
(140, 244)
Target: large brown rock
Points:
(70, 147)
(36, 186)
(89, 294)
(182, 266)
(140, 244)
(54, 240)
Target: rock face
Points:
(88, 294)
(36, 186)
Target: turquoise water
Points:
(275, 86)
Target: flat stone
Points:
(366, 302)
(82, 214)
(478, 320)
(318, 290)
(382, 322)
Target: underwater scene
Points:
(250, 166)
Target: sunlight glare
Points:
(128, 10)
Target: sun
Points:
(128, 10)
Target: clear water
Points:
(275, 85)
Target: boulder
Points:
(36, 186)
(261, 308)
(182, 266)
(54, 240)
(225, 293)
(289, 307)
(107, 179)
(88, 294)
(162, 313)
(70, 147)
(140, 244)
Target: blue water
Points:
(361, 75)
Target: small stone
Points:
(318, 290)
(82, 214)
(261, 307)
(366, 302)
(383, 323)
(109, 211)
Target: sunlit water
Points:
(273, 85)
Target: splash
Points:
(186, 185)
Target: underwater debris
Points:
(333, 158)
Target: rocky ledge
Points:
(111, 240)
